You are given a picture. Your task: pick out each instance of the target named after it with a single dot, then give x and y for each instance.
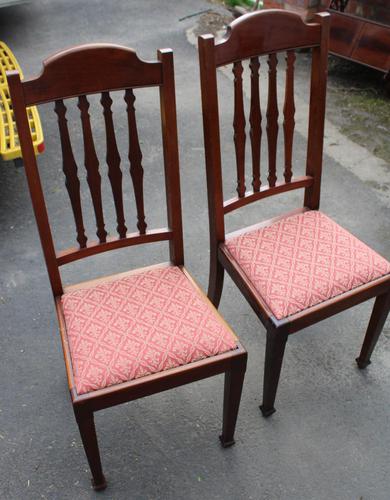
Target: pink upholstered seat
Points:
(140, 324)
(304, 259)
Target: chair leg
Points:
(87, 429)
(234, 379)
(215, 280)
(276, 343)
(375, 326)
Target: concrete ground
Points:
(330, 437)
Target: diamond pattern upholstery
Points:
(304, 259)
(140, 324)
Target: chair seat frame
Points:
(308, 316)
(150, 384)
(232, 363)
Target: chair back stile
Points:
(34, 183)
(212, 141)
(248, 38)
(315, 144)
(77, 73)
(171, 156)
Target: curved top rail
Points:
(263, 32)
(89, 69)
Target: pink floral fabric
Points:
(303, 260)
(140, 324)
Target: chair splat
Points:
(255, 123)
(289, 113)
(92, 165)
(113, 161)
(135, 158)
(69, 168)
(239, 128)
(272, 119)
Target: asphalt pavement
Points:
(330, 436)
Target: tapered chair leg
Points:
(215, 280)
(234, 379)
(276, 343)
(87, 429)
(375, 326)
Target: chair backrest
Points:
(76, 73)
(252, 35)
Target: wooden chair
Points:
(285, 267)
(141, 332)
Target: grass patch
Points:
(359, 105)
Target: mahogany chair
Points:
(144, 331)
(301, 267)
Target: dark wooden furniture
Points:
(99, 69)
(258, 34)
(360, 31)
